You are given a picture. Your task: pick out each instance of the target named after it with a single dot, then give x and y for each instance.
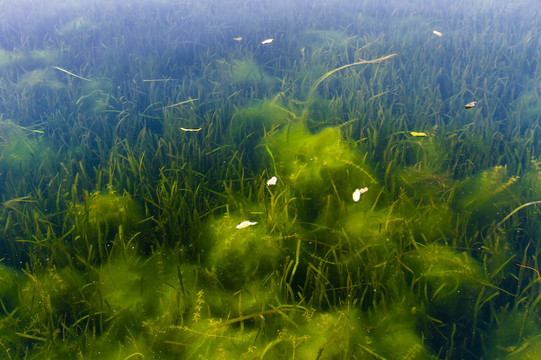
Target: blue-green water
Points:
(270, 180)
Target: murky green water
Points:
(270, 180)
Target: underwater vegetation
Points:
(174, 185)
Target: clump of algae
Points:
(52, 295)
(20, 152)
(102, 214)
(517, 336)
(9, 284)
(445, 270)
(329, 335)
(484, 192)
(529, 349)
(243, 71)
(449, 284)
(316, 166)
(238, 255)
(258, 116)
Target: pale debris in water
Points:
(272, 181)
(187, 129)
(436, 32)
(358, 192)
(245, 224)
(267, 41)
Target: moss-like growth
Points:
(369, 232)
(21, 152)
(424, 205)
(102, 215)
(51, 298)
(10, 281)
(529, 349)
(327, 38)
(425, 185)
(331, 335)
(484, 193)
(451, 286)
(517, 336)
(238, 255)
(317, 165)
(259, 116)
(40, 77)
(243, 71)
(393, 334)
(444, 271)
(28, 60)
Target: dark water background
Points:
(137, 139)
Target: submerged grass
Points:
(118, 230)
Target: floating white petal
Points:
(186, 129)
(272, 181)
(358, 192)
(245, 224)
(436, 32)
(267, 41)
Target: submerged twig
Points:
(70, 73)
(177, 104)
(361, 61)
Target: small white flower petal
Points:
(245, 224)
(358, 192)
(272, 181)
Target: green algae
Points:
(21, 151)
(104, 212)
(240, 255)
(120, 229)
(243, 71)
(485, 193)
(444, 270)
(9, 283)
(395, 335)
(316, 164)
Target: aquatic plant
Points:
(239, 255)
(316, 165)
(243, 73)
(482, 194)
(103, 222)
(22, 150)
(9, 283)
(136, 138)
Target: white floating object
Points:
(245, 224)
(436, 32)
(186, 129)
(267, 41)
(358, 192)
(272, 181)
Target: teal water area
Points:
(270, 180)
